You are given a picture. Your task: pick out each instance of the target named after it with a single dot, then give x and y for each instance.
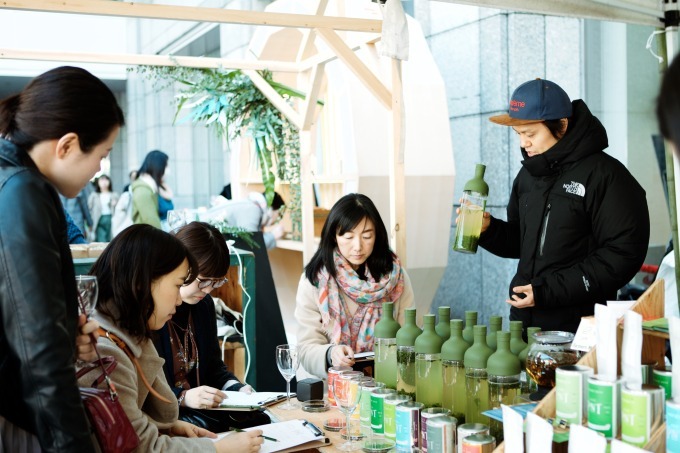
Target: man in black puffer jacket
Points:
(577, 219)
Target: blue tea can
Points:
(408, 426)
(441, 434)
(672, 426)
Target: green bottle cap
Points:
(522, 356)
(454, 348)
(406, 336)
(387, 326)
(477, 184)
(495, 324)
(478, 354)
(517, 344)
(470, 321)
(503, 362)
(428, 342)
(443, 328)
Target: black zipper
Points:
(545, 228)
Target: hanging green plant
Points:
(229, 101)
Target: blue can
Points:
(672, 426)
(408, 425)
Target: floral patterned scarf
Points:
(369, 294)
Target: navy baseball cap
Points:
(535, 101)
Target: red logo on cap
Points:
(516, 105)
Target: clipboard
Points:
(293, 435)
(239, 401)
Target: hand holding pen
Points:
(271, 439)
(342, 355)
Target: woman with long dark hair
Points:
(53, 136)
(146, 188)
(342, 290)
(140, 275)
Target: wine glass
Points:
(347, 394)
(177, 218)
(287, 361)
(87, 293)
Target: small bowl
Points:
(315, 406)
(378, 446)
(334, 424)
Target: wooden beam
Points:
(274, 97)
(327, 57)
(308, 34)
(153, 60)
(357, 66)
(396, 165)
(193, 14)
(309, 106)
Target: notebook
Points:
(253, 401)
(291, 435)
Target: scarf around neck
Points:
(369, 294)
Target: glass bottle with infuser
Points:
(476, 377)
(406, 354)
(495, 324)
(453, 371)
(429, 365)
(527, 385)
(473, 203)
(385, 347)
(443, 328)
(503, 368)
(470, 323)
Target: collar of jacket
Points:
(585, 136)
(13, 155)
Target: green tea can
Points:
(641, 412)
(470, 429)
(390, 414)
(672, 426)
(441, 434)
(377, 409)
(408, 426)
(647, 367)
(425, 416)
(663, 378)
(571, 397)
(604, 406)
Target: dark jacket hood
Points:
(585, 136)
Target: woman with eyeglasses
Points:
(188, 343)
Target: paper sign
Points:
(620, 307)
(513, 430)
(582, 439)
(539, 434)
(586, 335)
(618, 446)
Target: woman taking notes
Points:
(340, 295)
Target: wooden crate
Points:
(651, 306)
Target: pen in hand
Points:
(238, 430)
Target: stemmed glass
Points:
(87, 293)
(347, 394)
(287, 361)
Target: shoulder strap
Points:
(121, 344)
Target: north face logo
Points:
(576, 188)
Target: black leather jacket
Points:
(38, 309)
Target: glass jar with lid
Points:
(550, 350)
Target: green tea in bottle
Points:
(453, 371)
(429, 365)
(476, 377)
(406, 354)
(385, 347)
(503, 368)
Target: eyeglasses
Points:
(215, 282)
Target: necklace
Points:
(186, 355)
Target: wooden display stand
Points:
(651, 306)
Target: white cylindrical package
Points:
(631, 350)
(606, 342)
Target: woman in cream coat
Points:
(341, 292)
(140, 274)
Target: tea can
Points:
(332, 374)
(469, 429)
(425, 415)
(604, 406)
(478, 443)
(663, 378)
(641, 412)
(672, 426)
(441, 434)
(377, 409)
(571, 397)
(408, 426)
(390, 414)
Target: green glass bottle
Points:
(453, 371)
(406, 354)
(429, 365)
(503, 369)
(385, 347)
(495, 324)
(476, 378)
(517, 345)
(469, 224)
(526, 383)
(470, 323)
(442, 328)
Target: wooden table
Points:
(318, 418)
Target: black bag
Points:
(219, 421)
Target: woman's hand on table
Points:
(342, 355)
(84, 346)
(249, 441)
(203, 397)
(185, 429)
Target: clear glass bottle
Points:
(385, 347)
(453, 371)
(443, 328)
(469, 224)
(476, 377)
(527, 385)
(551, 350)
(470, 323)
(495, 324)
(503, 368)
(429, 365)
(406, 354)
